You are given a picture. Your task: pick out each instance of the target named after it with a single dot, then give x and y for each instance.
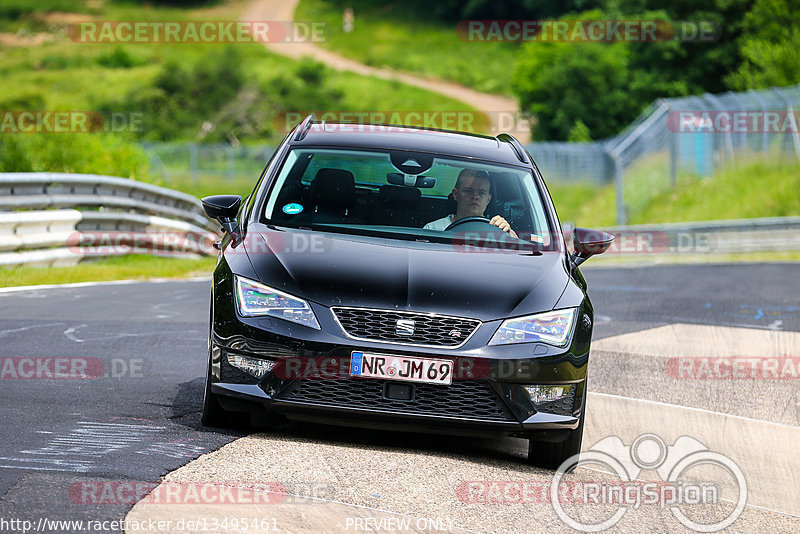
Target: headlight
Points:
(254, 299)
(552, 327)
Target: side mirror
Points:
(225, 206)
(587, 243)
(224, 209)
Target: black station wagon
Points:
(401, 278)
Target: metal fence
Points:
(695, 135)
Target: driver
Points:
(472, 196)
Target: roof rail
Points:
(518, 148)
(304, 127)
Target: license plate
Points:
(406, 368)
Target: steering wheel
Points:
(465, 220)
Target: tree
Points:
(562, 83)
(769, 46)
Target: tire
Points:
(213, 414)
(551, 454)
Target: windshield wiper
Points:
(502, 243)
(356, 230)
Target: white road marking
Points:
(70, 333)
(17, 289)
(4, 333)
(65, 451)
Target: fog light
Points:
(541, 394)
(257, 367)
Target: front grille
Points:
(466, 399)
(429, 329)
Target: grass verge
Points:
(132, 267)
(747, 188)
(402, 36)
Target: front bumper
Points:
(311, 383)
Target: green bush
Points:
(61, 62)
(215, 100)
(23, 102)
(562, 83)
(769, 46)
(13, 155)
(119, 58)
(13, 9)
(98, 153)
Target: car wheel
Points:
(213, 414)
(551, 454)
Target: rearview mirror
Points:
(410, 180)
(588, 242)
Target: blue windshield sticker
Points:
(537, 238)
(292, 209)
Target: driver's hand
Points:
(501, 223)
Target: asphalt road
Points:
(137, 420)
(146, 343)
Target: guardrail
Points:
(124, 216)
(119, 216)
(769, 234)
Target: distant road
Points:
(492, 105)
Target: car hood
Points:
(346, 270)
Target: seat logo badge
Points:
(404, 327)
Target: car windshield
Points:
(404, 195)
